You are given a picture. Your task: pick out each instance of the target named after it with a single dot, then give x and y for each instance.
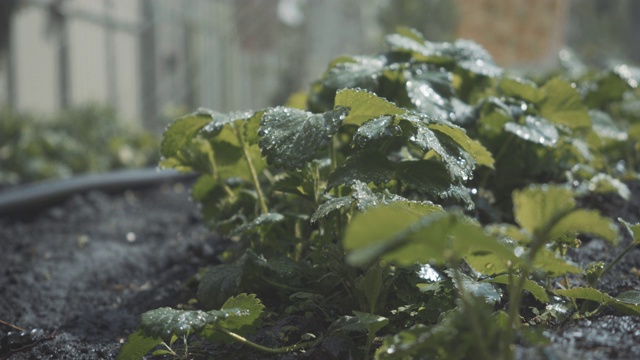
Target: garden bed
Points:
(84, 270)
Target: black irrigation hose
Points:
(31, 198)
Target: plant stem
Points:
(617, 259)
(475, 324)
(269, 350)
(280, 285)
(254, 175)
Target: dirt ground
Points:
(85, 270)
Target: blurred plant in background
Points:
(82, 139)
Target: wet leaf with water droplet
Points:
(364, 105)
(354, 71)
(290, 137)
(536, 130)
(258, 223)
(563, 105)
(605, 127)
(371, 132)
(365, 166)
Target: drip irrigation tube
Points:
(25, 199)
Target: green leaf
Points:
(354, 72)
(605, 127)
(424, 87)
(243, 325)
(480, 154)
(329, 206)
(547, 261)
(386, 232)
(373, 131)
(537, 208)
(585, 293)
(166, 322)
(466, 54)
(181, 131)
(137, 346)
(364, 105)
(361, 322)
(563, 105)
(633, 229)
(629, 73)
(371, 285)
(604, 183)
(482, 290)
(536, 130)
(472, 57)
(291, 138)
(365, 166)
(521, 89)
(264, 220)
(536, 290)
(609, 87)
(626, 302)
(585, 222)
(219, 283)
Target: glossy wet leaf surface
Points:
(290, 137)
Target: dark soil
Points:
(84, 271)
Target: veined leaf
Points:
(535, 129)
(605, 128)
(563, 105)
(585, 222)
(536, 208)
(536, 290)
(166, 322)
(466, 54)
(290, 137)
(354, 72)
(482, 290)
(627, 302)
(470, 56)
(181, 131)
(257, 223)
(585, 293)
(521, 89)
(375, 130)
(365, 166)
(242, 325)
(329, 206)
(480, 154)
(422, 86)
(364, 105)
(433, 238)
(361, 322)
(218, 284)
(433, 137)
(634, 230)
(137, 346)
(547, 261)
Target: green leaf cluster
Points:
(423, 198)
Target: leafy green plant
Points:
(78, 140)
(416, 205)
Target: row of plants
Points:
(415, 204)
(83, 139)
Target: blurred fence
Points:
(155, 59)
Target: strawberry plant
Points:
(413, 206)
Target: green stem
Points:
(269, 350)
(617, 259)
(475, 324)
(280, 285)
(252, 170)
